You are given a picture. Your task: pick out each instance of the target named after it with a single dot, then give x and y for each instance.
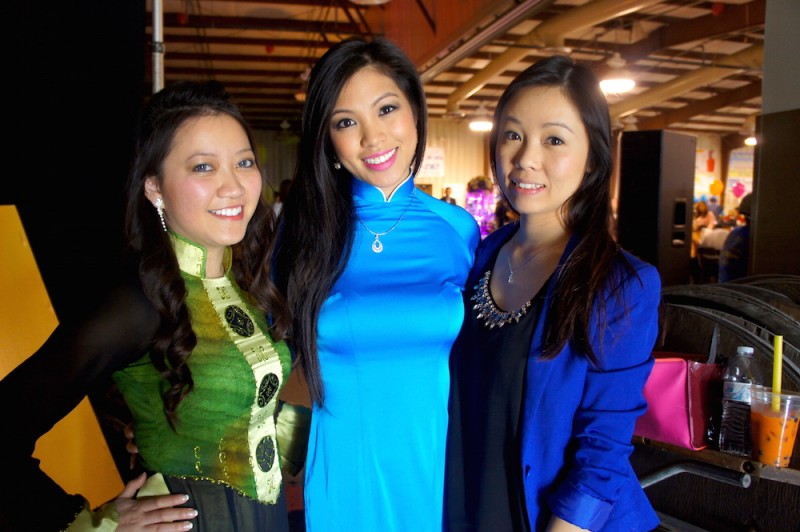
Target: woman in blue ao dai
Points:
(374, 271)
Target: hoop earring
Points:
(160, 211)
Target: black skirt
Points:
(222, 509)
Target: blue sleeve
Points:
(612, 400)
(461, 221)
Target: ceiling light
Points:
(617, 85)
(617, 80)
(481, 121)
(480, 124)
(300, 96)
(748, 130)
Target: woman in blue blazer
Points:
(549, 368)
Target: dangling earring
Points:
(160, 210)
(337, 165)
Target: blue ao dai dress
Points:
(377, 447)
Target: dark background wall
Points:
(73, 76)
(775, 235)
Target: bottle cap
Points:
(745, 350)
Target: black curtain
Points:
(74, 78)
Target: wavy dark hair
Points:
(589, 274)
(150, 247)
(318, 215)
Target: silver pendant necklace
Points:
(511, 270)
(377, 245)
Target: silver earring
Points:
(337, 165)
(160, 210)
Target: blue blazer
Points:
(577, 419)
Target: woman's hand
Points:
(557, 524)
(153, 514)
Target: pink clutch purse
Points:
(682, 395)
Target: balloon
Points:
(738, 189)
(716, 187)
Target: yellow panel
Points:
(74, 453)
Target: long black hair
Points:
(586, 278)
(150, 247)
(318, 215)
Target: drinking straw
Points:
(777, 368)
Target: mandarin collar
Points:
(192, 257)
(367, 193)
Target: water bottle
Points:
(740, 375)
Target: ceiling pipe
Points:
(549, 33)
(158, 46)
(749, 58)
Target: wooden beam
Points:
(709, 105)
(257, 23)
(735, 18)
(237, 72)
(238, 58)
(244, 41)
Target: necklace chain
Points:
(377, 245)
(511, 270)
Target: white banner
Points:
(432, 163)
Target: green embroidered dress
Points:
(224, 451)
(226, 432)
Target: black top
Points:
(484, 471)
(75, 361)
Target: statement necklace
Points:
(488, 312)
(511, 270)
(377, 245)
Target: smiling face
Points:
(210, 184)
(541, 152)
(373, 129)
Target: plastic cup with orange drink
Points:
(774, 420)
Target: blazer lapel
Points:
(538, 371)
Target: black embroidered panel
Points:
(267, 388)
(239, 321)
(265, 453)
